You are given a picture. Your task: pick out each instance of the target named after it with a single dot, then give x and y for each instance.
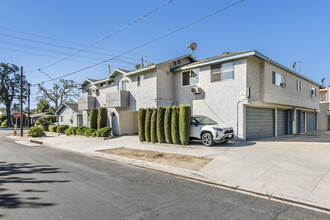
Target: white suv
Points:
(207, 130)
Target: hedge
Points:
(147, 124)
(88, 131)
(68, 131)
(141, 122)
(160, 124)
(52, 128)
(102, 118)
(94, 134)
(36, 132)
(104, 132)
(184, 123)
(93, 118)
(153, 126)
(62, 128)
(167, 125)
(79, 130)
(175, 125)
(45, 121)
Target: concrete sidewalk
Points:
(292, 168)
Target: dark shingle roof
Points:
(73, 106)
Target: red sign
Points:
(16, 115)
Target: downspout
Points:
(237, 116)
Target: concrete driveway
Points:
(291, 167)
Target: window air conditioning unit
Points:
(196, 90)
(283, 84)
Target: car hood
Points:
(222, 126)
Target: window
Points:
(222, 72)
(122, 85)
(190, 78)
(299, 85)
(323, 97)
(277, 79)
(62, 118)
(140, 80)
(313, 92)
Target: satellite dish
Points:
(192, 47)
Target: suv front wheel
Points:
(207, 139)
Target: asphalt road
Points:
(37, 182)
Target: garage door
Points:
(300, 121)
(259, 123)
(311, 121)
(282, 122)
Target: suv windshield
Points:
(203, 120)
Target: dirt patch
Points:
(175, 160)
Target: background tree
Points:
(10, 86)
(60, 92)
(43, 106)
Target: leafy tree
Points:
(60, 92)
(43, 106)
(10, 86)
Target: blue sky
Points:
(285, 31)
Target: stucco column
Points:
(294, 122)
(275, 123)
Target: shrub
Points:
(104, 132)
(3, 117)
(52, 128)
(68, 131)
(62, 128)
(73, 130)
(83, 130)
(184, 123)
(45, 121)
(88, 132)
(167, 124)
(36, 132)
(93, 118)
(153, 126)
(175, 125)
(160, 124)
(102, 118)
(147, 124)
(141, 124)
(4, 123)
(94, 134)
(78, 130)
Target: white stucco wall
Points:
(323, 119)
(68, 114)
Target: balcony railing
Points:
(86, 103)
(117, 99)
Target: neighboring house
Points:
(35, 116)
(68, 114)
(246, 90)
(324, 116)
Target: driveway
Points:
(291, 167)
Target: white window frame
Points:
(197, 70)
(120, 85)
(323, 97)
(313, 89)
(277, 77)
(139, 80)
(223, 71)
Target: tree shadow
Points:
(16, 173)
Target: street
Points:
(42, 183)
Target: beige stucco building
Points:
(246, 90)
(324, 116)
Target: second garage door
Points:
(282, 122)
(259, 123)
(311, 121)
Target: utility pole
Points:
(21, 98)
(141, 61)
(28, 117)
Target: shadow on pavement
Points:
(12, 173)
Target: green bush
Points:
(88, 132)
(68, 131)
(184, 123)
(78, 130)
(83, 130)
(62, 128)
(175, 125)
(52, 128)
(3, 117)
(141, 124)
(147, 124)
(104, 132)
(94, 134)
(160, 124)
(4, 123)
(167, 124)
(73, 130)
(36, 132)
(45, 121)
(102, 118)
(93, 118)
(153, 126)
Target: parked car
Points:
(209, 131)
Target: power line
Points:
(106, 37)
(151, 41)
